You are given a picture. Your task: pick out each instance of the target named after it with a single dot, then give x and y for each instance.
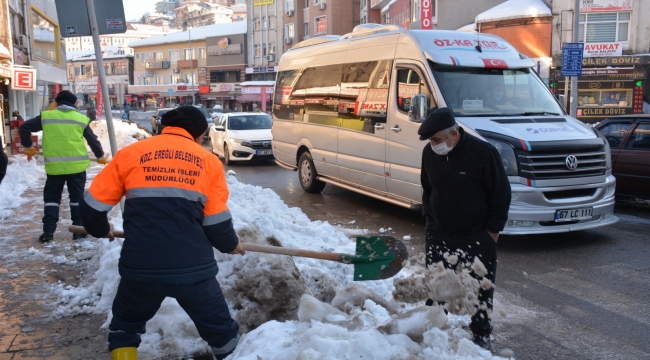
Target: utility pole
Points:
(574, 79)
(189, 33)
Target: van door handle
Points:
(396, 128)
(379, 126)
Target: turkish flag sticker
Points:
(495, 64)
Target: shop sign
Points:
(261, 70)
(426, 10)
(602, 49)
(604, 111)
(262, 2)
(5, 70)
(231, 49)
(204, 89)
(605, 5)
(616, 60)
(606, 71)
(638, 97)
(23, 79)
(255, 90)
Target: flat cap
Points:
(435, 121)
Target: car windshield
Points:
(249, 122)
(494, 92)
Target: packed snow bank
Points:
(21, 174)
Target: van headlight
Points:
(608, 150)
(507, 156)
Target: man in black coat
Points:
(91, 112)
(465, 199)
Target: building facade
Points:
(225, 70)
(265, 38)
(134, 31)
(170, 69)
(83, 75)
(196, 13)
(166, 6)
(616, 63)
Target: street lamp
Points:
(189, 34)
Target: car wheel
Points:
(226, 155)
(308, 175)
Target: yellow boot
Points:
(125, 353)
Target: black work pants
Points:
(136, 303)
(52, 196)
(467, 248)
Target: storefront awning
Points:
(252, 98)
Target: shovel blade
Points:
(378, 257)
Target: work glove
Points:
(102, 160)
(29, 151)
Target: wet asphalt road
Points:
(582, 295)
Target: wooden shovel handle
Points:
(248, 247)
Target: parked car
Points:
(629, 139)
(156, 126)
(241, 137)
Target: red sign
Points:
(204, 89)
(99, 100)
(638, 99)
(181, 87)
(18, 147)
(495, 64)
(23, 79)
(57, 89)
(223, 43)
(426, 15)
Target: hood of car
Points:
(264, 134)
(533, 129)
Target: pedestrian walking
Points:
(17, 115)
(175, 213)
(465, 199)
(127, 110)
(66, 157)
(91, 112)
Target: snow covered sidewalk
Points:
(288, 308)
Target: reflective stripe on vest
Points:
(64, 148)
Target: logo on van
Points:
(571, 162)
(531, 130)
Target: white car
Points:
(241, 137)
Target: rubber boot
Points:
(125, 353)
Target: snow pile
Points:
(21, 174)
(125, 134)
(515, 9)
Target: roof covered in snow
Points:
(515, 9)
(468, 28)
(199, 33)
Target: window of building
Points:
(137, 56)
(70, 73)
(271, 48)
(189, 78)
(202, 53)
(45, 38)
(258, 50)
(120, 68)
(230, 76)
(158, 80)
(271, 22)
(604, 27)
(316, 2)
(306, 4)
(83, 69)
(144, 58)
(174, 79)
(257, 24)
(307, 29)
(320, 25)
(289, 31)
(157, 55)
(173, 55)
(188, 54)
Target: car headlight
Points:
(237, 141)
(243, 142)
(608, 150)
(507, 156)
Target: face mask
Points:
(442, 148)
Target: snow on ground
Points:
(288, 308)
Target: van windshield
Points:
(494, 92)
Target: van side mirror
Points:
(418, 108)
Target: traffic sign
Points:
(170, 91)
(73, 17)
(572, 59)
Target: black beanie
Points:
(439, 119)
(188, 118)
(65, 97)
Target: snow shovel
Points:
(377, 257)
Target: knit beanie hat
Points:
(65, 97)
(188, 118)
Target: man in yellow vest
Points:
(66, 157)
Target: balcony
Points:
(184, 64)
(157, 64)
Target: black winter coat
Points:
(465, 191)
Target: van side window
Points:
(363, 98)
(318, 88)
(288, 104)
(409, 83)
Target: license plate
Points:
(573, 214)
(264, 152)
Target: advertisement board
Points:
(605, 5)
(602, 49)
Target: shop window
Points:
(615, 133)
(320, 25)
(604, 27)
(600, 98)
(640, 139)
(45, 38)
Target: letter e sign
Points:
(23, 79)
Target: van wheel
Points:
(307, 174)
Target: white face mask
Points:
(442, 148)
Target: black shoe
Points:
(429, 302)
(45, 237)
(79, 236)
(483, 341)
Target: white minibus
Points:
(346, 111)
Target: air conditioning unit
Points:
(23, 41)
(321, 6)
(289, 12)
(270, 57)
(176, 71)
(288, 40)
